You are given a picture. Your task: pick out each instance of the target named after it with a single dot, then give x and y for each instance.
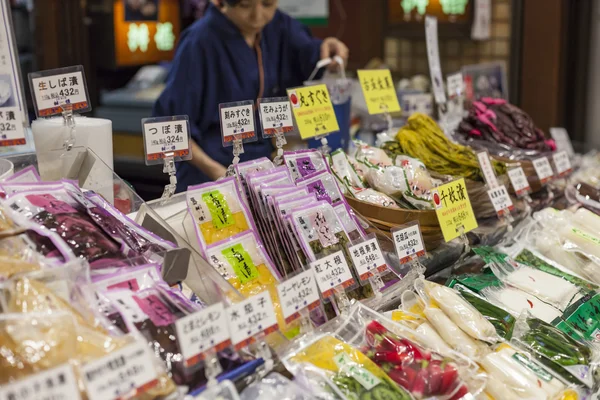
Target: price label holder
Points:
(433, 58)
(104, 377)
(298, 296)
(409, 245)
(61, 91)
(55, 383)
(250, 321)
(334, 277)
(543, 169)
(201, 335)
(237, 128)
(562, 140)
(167, 141)
(562, 163)
(277, 120)
(497, 193)
(380, 94)
(454, 211)
(455, 106)
(313, 110)
(519, 182)
(369, 262)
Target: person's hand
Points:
(334, 47)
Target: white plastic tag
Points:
(518, 179)
(408, 242)
(543, 169)
(166, 137)
(57, 383)
(367, 258)
(250, 317)
(51, 89)
(500, 199)
(433, 57)
(297, 293)
(562, 163)
(332, 271)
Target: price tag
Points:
(500, 199)
(297, 293)
(378, 87)
(487, 169)
(417, 103)
(58, 383)
(562, 140)
(51, 89)
(313, 111)
(250, 317)
(237, 121)
(518, 179)
(433, 57)
(127, 372)
(166, 137)
(332, 271)
(275, 114)
(562, 163)
(202, 331)
(456, 86)
(453, 209)
(409, 242)
(367, 257)
(543, 169)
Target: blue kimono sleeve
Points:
(306, 47)
(184, 86)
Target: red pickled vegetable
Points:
(419, 387)
(448, 378)
(391, 357)
(462, 392)
(418, 352)
(404, 377)
(435, 378)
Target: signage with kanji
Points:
(313, 111)
(500, 199)
(58, 383)
(367, 258)
(250, 317)
(453, 209)
(332, 271)
(562, 140)
(166, 137)
(562, 163)
(379, 91)
(55, 90)
(408, 242)
(518, 180)
(237, 122)
(487, 169)
(275, 116)
(298, 293)
(543, 169)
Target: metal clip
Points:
(264, 351)
(238, 149)
(376, 283)
(212, 367)
(169, 168)
(69, 122)
(342, 300)
(305, 323)
(463, 238)
(324, 149)
(280, 141)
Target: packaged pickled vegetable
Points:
(374, 197)
(248, 167)
(584, 316)
(134, 279)
(349, 221)
(344, 171)
(323, 185)
(372, 155)
(516, 301)
(303, 163)
(218, 211)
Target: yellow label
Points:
(313, 111)
(379, 91)
(453, 209)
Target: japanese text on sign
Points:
(367, 257)
(456, 85)
(11, 128)
(562, 140)
(276, 117)
(379, 91)
(52, 91)
(562, 163)
(433, 58)
(543, 169)
(297, 293)
(313, 110)
(332, 271)
(417, 103)
(500, 199)
(518, 179)
(250, 317)
(453, 209)
(53, 384)
(202, 331)
(486, 168)
(350, 368)
(409, 243)
(166, 139)
(126, 372)
(237, 121)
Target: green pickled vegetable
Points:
(502, 320)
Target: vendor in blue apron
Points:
(239, 50)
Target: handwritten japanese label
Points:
(519, 182)
(456, 85)
(348, 367)
(417, 103)
(433, 57)
(562, 163)
(276, 116)
(500, 199)
(543, 169)
(322, 229)
(487, 169)
(332, 271)
(51, 89)
(58, 383)
(251, 317)
(202, 331)
(408, 242)
(11, 127)
(367, 257)
(313, 110)
(562, 140)
(166, 138)
(219, 209)
(453, 209)
(241, 262)
(155, 308)
(127, 372)
(379, 91)
(297, 293)
(127, 306)
(237, 121)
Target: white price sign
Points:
(237, 121)
(500, 199)
(202, 331)
(58, 383)
(433, 57)
(543, 169)
(123, 373)
(456, 85)
(562, 140)
(417, 103)
(51, 89)
(562, 162)
(487, 169)
(518, 179)
(297, 293)
(250, 317)
(367, 257)
(275, 116)
(408, 242)
(166, 137)
(332, 271)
